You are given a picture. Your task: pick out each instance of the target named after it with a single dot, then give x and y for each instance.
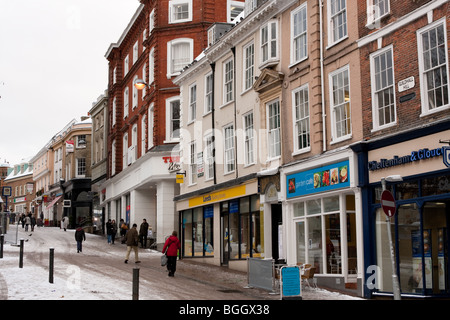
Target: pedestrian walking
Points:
(109, 231)
(33, 222)
(114, 231)
(65, 223)
(132, 241)
(143, 232)
(80, 236)
(123, 230)
(173, 245)
(27, 221)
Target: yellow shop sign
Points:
(217, 196)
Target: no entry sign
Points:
(388, 203)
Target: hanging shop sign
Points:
(418, 155)
(70, 147)
(327, 178)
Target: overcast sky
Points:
(52, 66)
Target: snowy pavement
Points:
(99, 273)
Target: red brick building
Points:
(161, 38)
(405, 101)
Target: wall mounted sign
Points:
(406, 84)
(331, 177)
(421, 154)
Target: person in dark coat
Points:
(109, 231)
(143, 232)
(79, 237)
(173, 245)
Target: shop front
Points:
(420, 226)
(223, 226)
(324, 214)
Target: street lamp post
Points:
(395, 283)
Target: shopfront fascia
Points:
(323, 210)
(224, 226)
(420, 226)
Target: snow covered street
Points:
(99, 273)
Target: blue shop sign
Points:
(327, 178)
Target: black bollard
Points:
(136, 284)
(50, 269)
(21, 254)
(2, 238)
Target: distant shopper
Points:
(114, 231)
(27, 221)
(33, 222)
(173, 245)
(79, 237)
(109, 231)
(143, 232)
(132, 241)
(123, 229)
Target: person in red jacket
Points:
(173, 245)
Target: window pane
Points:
(187, 228)
(333, 238)
(300, 241)
(315, 257)
(197, 230)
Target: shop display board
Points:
(290, 283)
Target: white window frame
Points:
(426, 110)
(273, 129)
(272, 57)
(299, 34)
(229, 149)
(334, 108)
(233, 4)
(228, 81)
(301, 116)
(376, 10)
(172, 12)
(248, 66)
(377, 87)
(192, 163)
(151, 118)
(125, 150)
(169, 120)
(151, 69)
(126, 65)
(77, 163)
(135, 52)
(151, 22)
(114, 111)
(113, 157)
(209, 83)
(332, 40)
(248, 124)
(170, 63)
(135, 94)
(144, 76)
(143, 132)
(126, 100)
(209, 157)
(192, 113)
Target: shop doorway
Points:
(423, 247)
(435, 244)
(277, 235)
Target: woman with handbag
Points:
(172, 245)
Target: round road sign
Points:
(388, 203)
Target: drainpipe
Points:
(213, 68)
(322, 88)
(233, 50)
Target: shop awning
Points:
(53, 202)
